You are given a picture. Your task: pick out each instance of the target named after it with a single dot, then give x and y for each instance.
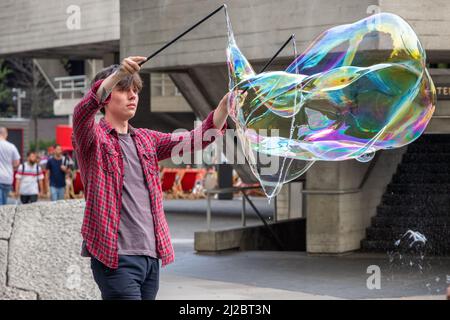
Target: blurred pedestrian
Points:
(29, 180)
(9, 161)
(56, 174)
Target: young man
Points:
(56, 174)
(9, 161)
(124, 229)
(29, 179)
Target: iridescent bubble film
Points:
(358, 88)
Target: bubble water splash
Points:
(409, 250)
(358, 88)
(413, 240)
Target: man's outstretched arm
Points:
(216, 120)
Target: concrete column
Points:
(295, 200)
(338, 213)
(283, 203)
(92, 67)
(289, 201)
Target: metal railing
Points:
(71, 87)
(245, 199)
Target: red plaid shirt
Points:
(101, 165)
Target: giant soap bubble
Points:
(358, 88)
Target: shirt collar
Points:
(107, 127)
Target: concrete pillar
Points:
(295, 200)
(92, 67)
(289, 201)
(282, 204)
(338, 212)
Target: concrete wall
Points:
(429, 19)
(39, 27)
(290, 234)
(40, 252)
(260, 27)
(440, 122)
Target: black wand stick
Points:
(276, 54)
(182, 34)
(273, 58)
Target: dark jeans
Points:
(29, 198)
(136, 278)
(5, 189)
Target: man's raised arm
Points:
(84, 118)
(97, 98)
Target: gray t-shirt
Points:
(136, 230)
(8, 153)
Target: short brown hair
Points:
(130, 81)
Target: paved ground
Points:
(288, 275)
(39, 258)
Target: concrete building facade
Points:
(340, 198)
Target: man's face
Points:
(32, 158)
(123, 104)
(58, 151)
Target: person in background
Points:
(29, 179)
(9, 161)
(56, 174)
(69, 165)
(43, 159)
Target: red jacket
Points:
(101, 165)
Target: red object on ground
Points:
(64, 137)
(77, 183)
(168, 179)
(190, 177)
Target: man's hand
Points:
(221, 112)
(127, 67)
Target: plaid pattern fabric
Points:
(101, 165)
